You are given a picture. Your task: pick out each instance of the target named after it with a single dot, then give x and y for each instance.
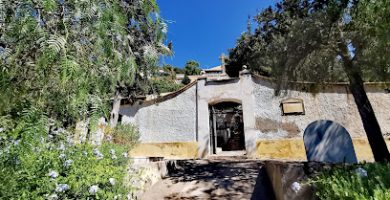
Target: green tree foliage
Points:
(192, 68)
(186, 80)
(170, 70)
(69, 57)
(163, 85)
(179, 70)
(322, 41)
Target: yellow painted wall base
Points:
(283, 149)
(172, 150)
(294, 149)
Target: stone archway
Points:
(328, 141)
(226, 127)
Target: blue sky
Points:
(203, 29)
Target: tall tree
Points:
(70, 58)
(192, 68)
(303, 40)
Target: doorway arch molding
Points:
(213, 102)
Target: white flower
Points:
(70, 141)
(112, 181)
(93, 189)
(296, 187)
(16, 142)
(109, 138)
(61, 147)
(96, 151)
(112, 151)
(361, 172)
(125, 155)
(53, 197)
(113, 157)
(100, 156)
(1, 129)
(53, 174)
(68, 163)
(62, 156)
(62, 187)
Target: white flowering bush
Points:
(38, 165)
(364, 182)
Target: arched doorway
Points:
(226, 127)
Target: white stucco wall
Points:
(185, 118)
(212, 92)
(333, 103)
(172, 120)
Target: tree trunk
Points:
(367, 114)
(115, 110)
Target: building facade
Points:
(243, 116)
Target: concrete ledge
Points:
(172, 150)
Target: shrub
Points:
(38, 165)
(125, 134)
(186, 80)
(163, 85)
(363, 182)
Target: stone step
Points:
(228, 158)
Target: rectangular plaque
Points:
(293, 107)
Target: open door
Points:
(227, 127)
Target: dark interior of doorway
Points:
(227, 127)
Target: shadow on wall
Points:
(329, 142)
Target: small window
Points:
(292, 106)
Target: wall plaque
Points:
(292, 106)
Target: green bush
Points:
(360, 182)
(37, 164)
(163, 85)
(186, 80)
(125, 134)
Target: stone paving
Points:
(213, 179)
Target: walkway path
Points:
(213, 179)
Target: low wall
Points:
(294, 149)
(283, 175)
(171, 150)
